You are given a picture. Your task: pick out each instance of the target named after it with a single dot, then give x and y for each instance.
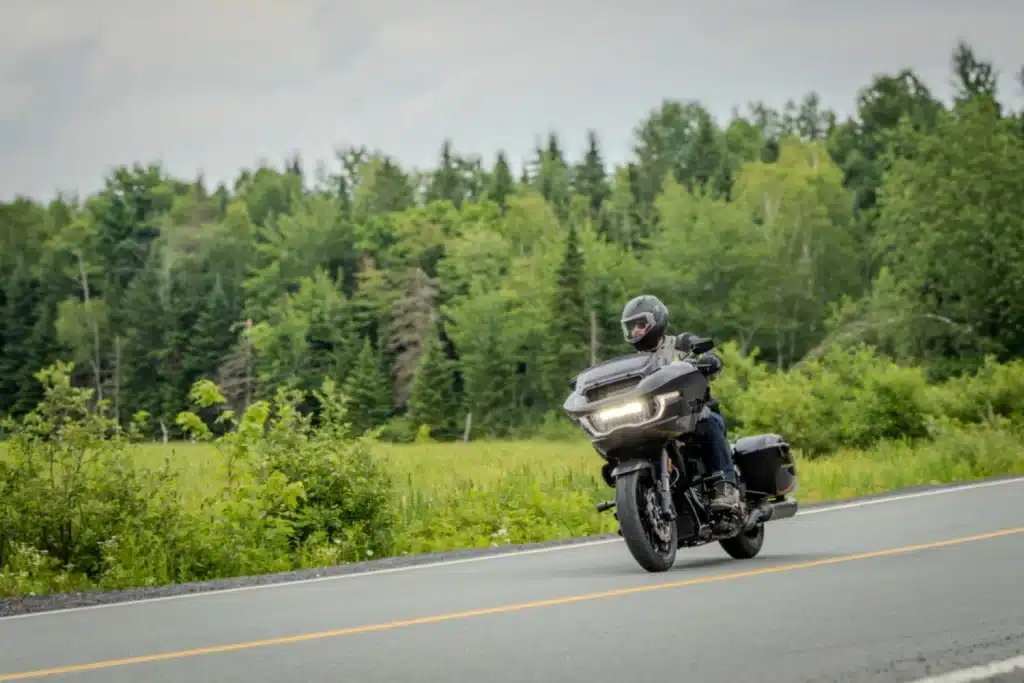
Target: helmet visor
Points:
(636, 326)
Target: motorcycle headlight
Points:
(632, 413)
(625, 410)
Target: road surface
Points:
(896, 589)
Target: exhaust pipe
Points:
(770, 511)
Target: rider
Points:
(644, 321)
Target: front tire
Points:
(745, 545)
(640, 521)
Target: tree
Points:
(950, 232)
(23, 349)
(368, 391)
(501, 184)
(432, 396)
(446, 183)
(568, 334)
(590, 178)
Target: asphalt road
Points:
(895, 589)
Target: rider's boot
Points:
(726, 498)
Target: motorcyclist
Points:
(644, 321)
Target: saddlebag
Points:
(766, 464)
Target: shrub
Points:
(75, 511)
(66, 487)
(995, 391)
(335, 493)
(851, 397)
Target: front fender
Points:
(631, 466)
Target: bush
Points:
(66, 488)
(74, 510)
(995, 391)
(850, 398)
(333, 498)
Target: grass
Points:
(452, 496)
(433, 477)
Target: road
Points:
(896, 589)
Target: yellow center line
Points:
(390, 625)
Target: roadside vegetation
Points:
(84, 504)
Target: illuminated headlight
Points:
(629, 414)
(626, 410)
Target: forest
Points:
(463, 289)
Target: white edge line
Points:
(977, 673)
(908, 496)
(484, 558)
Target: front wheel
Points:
(651, 540)
(745, 545)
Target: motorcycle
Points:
(640, 412)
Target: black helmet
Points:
(644, 321)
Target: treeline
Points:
(431, 295)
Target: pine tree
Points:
(433, 390)
(446, 182)
(368, 391)
(552, 176)
(607, 309)
(502, 184)
(371, 301)
(153, 339)
(21, 354)
(568, 350)
(212, 337)
(590, 178)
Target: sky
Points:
(213, 86)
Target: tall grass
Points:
(452, 495)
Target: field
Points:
(453, 495)
(442, 496)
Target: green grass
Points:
(431, 474)
(452, 496)
(434, 476)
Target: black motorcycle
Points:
(640, 412)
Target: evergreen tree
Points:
(150, 343)
(590, 178)
(502, 184)
(446, 182)
(607, 310)
(20, 353)
(371, 302)
(368, 391)
(433, 391)
(551, 176)
(214, 333)
(568, 344)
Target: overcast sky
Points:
(215, 85)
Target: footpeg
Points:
(606, 505)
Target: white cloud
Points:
(217, 84)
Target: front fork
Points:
(667, 508)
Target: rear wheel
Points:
(651, 539)
(745, 545)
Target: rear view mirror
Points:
(703, 345)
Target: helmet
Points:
(644, 321)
